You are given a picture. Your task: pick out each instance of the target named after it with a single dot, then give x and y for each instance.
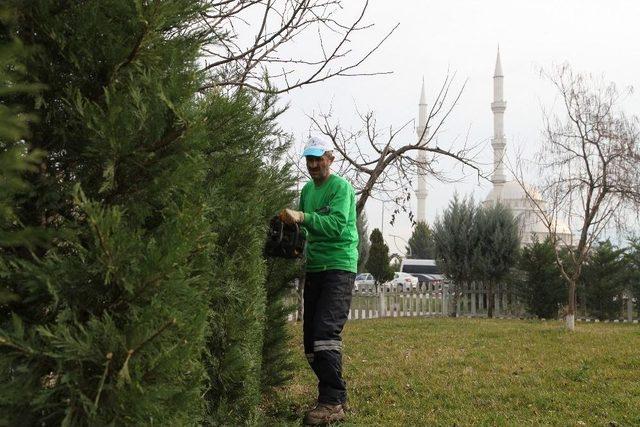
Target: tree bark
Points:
(570, 316)
(454, 301)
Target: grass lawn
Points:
(430, 371)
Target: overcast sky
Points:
(462, 36)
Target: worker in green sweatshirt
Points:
(328, 215)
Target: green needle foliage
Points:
(541, 287)
(240, 200)
(108, 322)
(378, 261)
(421, 242)
(496, 252)
(632, 276)
(476, 244)
(604, 281)
(456, 243)
(132, 223)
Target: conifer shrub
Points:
(107, 322)
(133, 285)
(247, 330)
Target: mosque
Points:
(507, 192)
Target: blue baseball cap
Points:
(316, 147)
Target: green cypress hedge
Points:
(133, 286)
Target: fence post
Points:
(473, 295)
(428, 296)
(383, 305)
(467, 298)
(444, 297)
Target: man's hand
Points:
(289, 216)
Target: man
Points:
(328, 215)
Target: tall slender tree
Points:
(496, 251)
(421, 242)
(632, 262)
(541, 288)
(604, 281)
(108, 323)
(378, 262)
(455, 244)
(155, 184)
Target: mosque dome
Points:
(526, 210)
(527, 205)
(511, 193)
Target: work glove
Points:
(289, 216)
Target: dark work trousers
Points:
(327, 298)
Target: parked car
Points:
(422, 278)
(364, 283)
(429, 281)
(402, 282)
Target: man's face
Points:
(319, 167)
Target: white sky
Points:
(602, 38)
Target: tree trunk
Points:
(570, 316)
(454, 300)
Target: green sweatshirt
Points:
(330, 223)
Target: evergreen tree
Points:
(396, 262)
(378, 262)
(276, 183)
(455, 244)
(632, 268)
(421, 242)
(240, 200)
(541, 289)
(108, 324)
(603, 279)
(277, 363)
(363, 242)
(152, 291)
(15, 157)
(497, 243)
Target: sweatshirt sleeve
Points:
(334, 223)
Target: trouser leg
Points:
(310, 298)
(331, 291)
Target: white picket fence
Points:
(436, 299)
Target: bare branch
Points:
(264, 62)
(588, 167)
(382, 165)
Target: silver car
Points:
(364, 283)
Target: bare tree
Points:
(267, 45)
(383, 164)
(590, 171)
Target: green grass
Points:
(423, 372)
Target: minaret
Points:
(498, 142)
(421, 192)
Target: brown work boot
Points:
(324, 413)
